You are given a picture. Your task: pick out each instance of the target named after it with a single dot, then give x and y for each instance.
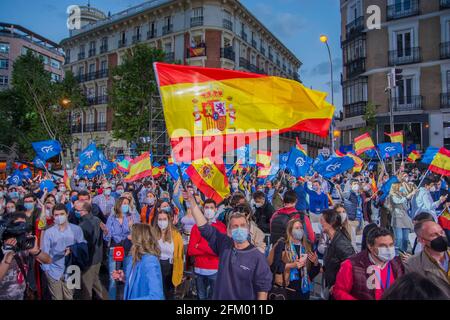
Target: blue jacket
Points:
(317, 202)
(145, 281)
(302, 203)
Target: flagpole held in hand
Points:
(423, 177)
(382, 162)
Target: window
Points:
(168, 21)
(124, 37)
(81, 70)
(4, 80)
(92, 68)
(227, 15)
(4, 64)
(101, 117)
(404, 91)
(354, 11)
(402, 5)
(103, 91)
(92, 45)
(153, 28)
(104, 65)
(82, 48)
(55, 77)
(355, 91)
(403, 43)
(354, 50)
(168, 47)
(68, 54)
(104, 41)
(197, 12)
(90, 117)
(4, 47)
(91, 93)
(55, 64)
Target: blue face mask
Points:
(28, 206)
(74, 198)
(166, 209)
(77, 214)
(239, 235)
(14, 194)
(165, 200)
(125, 208)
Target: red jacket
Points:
(308, 225)
(199, 248)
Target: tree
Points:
(133, 88)
(370, 116)
(37, 108)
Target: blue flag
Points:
(372, 154)
(298, 163)
(388, 149)
(386, 188)
(47, 184)
(16, 178)
(346, 149)
(47, 149)
(429, 155)
(39, 163)
(334, 166)
(172, 169)
(27, 174)
(89, 156)
(284, 157)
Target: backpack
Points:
(279, 225)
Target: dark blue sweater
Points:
(242, 273)
(317, 202)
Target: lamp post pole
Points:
(324, 39)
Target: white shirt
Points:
(167, 250)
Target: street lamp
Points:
(324, 39)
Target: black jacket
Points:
(263, 216)
(96, 212)
(94, 238)
(337, 251)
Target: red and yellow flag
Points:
(358, 162)
(363, 143)
(300, 147)
(441, 162)
(66, 180)
(210, 178)
(396, 136)
(263, 158)
(158, 171)
(263, 172)
(374, 185)
(140, 167)
(205, 106)
(413, 156)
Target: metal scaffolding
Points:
(159, 140)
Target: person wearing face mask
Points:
(340, 210)
(318, 201)
(119, 191)
(439, 191)
(13, 194)
(423, 202)
(244, 273)
(81, 186)
(434, 258)
(263, 211)
(206, 262)
(56, 243)
(117, 234)
(401, 222)
(294, 263)
(353, 204)
(148, 210)
(105, 201)
(368, 274)
(3, 200)
(46, 219)
(10, 208)
(172, 253)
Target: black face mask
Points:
(440, 244)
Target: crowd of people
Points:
(359, 236)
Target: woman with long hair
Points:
(172, 253)
(293, 262)
(142, 276)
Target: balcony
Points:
(151, 34)
(406, 56)
(169, 57)
(81, 55)
(254, 45)
(100, 126)
(263, 50)
(136, 38)
(102, 74)
(354, 28)
(75, 128)
(355, 67)
(445, 4)
(92, 52)
(244, 36)
(407, 103)
(103, 48)
(445, 100)
(196, 21)
(270, 57)
(404, 9)
(122, 43)
(167, 29)
(91, 76)
(81, 78)
(93, 101)
(227, 24)
(199, 51)
(228, 53)
(89, 127)
(445, 50)
(355, 109)
(244, 63)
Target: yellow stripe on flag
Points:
(441, 162)
(140, 167)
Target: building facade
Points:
(414, 37)
(15, 41)
(209, 33)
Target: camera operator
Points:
(13, 266)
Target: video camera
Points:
(19, 231)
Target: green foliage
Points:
(33, 109)
(370, 118)
(131, 93)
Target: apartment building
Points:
(15, 41)
(209, 33)
(414, 37)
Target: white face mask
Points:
(386, 254)
(355, 188)
(59, 220)
(234, 185)
(163, 224)
(343, 216)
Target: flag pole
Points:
(423, 178)
(382, 162)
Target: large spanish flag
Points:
(263, 158)
(363, 143)
(233, 108)
(210, 178)
(413, 156)
(441, 162)
(140, 167)
(358, 162)
(396, 136)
